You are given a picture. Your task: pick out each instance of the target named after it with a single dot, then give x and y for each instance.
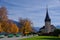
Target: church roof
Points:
(47, 18)
(52, 26)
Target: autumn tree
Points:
(26, 26)
(3, 14)
(12, 28)
(3, 18)
(1, 30)
(7, 25)
(4, 26)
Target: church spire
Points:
(47, 18)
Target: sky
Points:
(35, 10)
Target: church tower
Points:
(47, 28)
(47, 22)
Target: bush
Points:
(10, 35)
(17, 35)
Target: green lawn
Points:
(42, 38)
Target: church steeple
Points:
(47, 18)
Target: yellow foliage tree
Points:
(6, 25)
(26, 26)
(13, 28)
(1, 30)
(3, 19)
(10, 27)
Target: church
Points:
(48, 27)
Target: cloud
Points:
(33, 9)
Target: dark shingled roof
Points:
(47, 18)
(42, 27)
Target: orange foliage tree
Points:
(26, 26)
(1, 30)
(13, 28)
(10, 27)
(3, 18)
(6, 25)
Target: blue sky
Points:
(35, 10)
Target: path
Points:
(16, 38)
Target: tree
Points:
(3, 14)
(1, 30)
(7, 25)
(3, 18)
(13, 28)
(56, 32)
(26, 26)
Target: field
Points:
(42, 38)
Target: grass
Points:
(42, 38)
